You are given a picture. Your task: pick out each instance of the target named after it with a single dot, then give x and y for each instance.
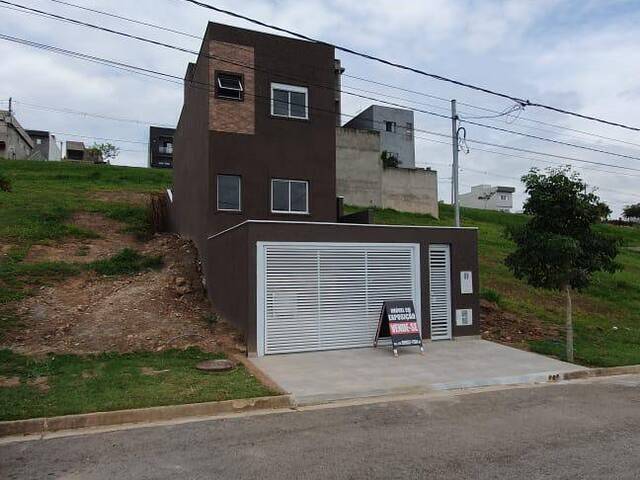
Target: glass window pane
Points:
(228, 192)
(299, 196)
(281, 102)
(298, 105)
(231, 82)
(280, 194)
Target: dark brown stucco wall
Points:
(227, 272)
(463, 244)
(191, 160)
(280, 147)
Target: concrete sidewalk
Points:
(317, 377)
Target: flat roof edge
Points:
(375, 225)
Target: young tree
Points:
(632, 211)
(105, 151)
(557, 248)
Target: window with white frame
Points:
(390, 126)
(289, 101)
(229, 86)
(289, 196)
(503, 198)
(229, 193)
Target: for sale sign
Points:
(398, 320)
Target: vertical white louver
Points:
(440, 292)
(328, 296)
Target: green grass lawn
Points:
(606, 315)
(45, 194)
(68, 384)
(42, 200)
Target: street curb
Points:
(601, 372)
(139, 415)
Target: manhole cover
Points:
(215, 365)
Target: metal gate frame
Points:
(449, 306)
(261, 278)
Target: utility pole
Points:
(454, 177)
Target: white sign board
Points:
(466, 282)
(464, 317)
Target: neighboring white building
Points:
(487, 197)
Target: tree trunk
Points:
(569, 324)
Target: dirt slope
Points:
(89, 313)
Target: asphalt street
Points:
(576, 430)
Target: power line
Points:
(91, 137)
(536, 137)
(214, 57)
(523, 102)
(87, 114)
(496, 114)
(116, 32)
(126, 19)
(208, 87)
(532, 159)
(419, 110)
(486, 109)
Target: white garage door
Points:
(322, 296)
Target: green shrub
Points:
(491, 296)
(126, 262)
(5, 182)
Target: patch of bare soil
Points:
(41, 383)
(150, 311)
(4, 249)
(111, 241)
(509, 329)
(9, 382)
(121, 196)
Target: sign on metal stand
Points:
(398, 320)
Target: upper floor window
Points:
(503, 197)
(289, 196)
(229, 191)
(390, 126)
(289, 101)
(38, 141)
(165, 145)
(229, 86)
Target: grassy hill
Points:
(46, 195)
(606, 315)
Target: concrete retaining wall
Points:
(362, 180)
(359, 167)
(410, 190)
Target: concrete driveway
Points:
(317, 377)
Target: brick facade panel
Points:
(229, 115)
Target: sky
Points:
(580, 55)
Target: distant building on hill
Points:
(395, 127)
(161, 147)
(75, 151)
(45, 146)
(15, 143)
(487, 197)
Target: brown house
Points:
(255, 188)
